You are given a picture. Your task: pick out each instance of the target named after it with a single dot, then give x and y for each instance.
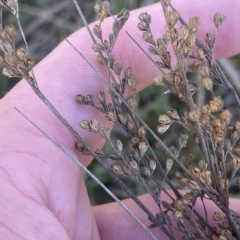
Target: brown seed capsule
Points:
(158, 81)
(235, 162)
(100, 153)
(183, 33)
(107, 133)
(11, 31)
(218, 19)
(142, 131)
(169, 164)
(210, 39)
(80, 99)
(132, 102)
(97, 47)
(131, 127)
(152, 165)
(178, 204)
(164, 120)
(94, 125)
(117, 68)
(207, 83)
(145, 17)
(226, 116)
(194, 116)
(30, 62)
(117, 170)
(173, 34)
(203, 70)
(206, 109)
(89, 99)
(134, 141)
(217, 216)
(184, 181)
(85, 125)
(147, 37)
(142, 147)
(111, 116)
(178, 215)
(173, 115)
(216, 104)
(143, 26)
(194, 185)
(127, 169)
(196, 172)
(97, 31)
(193, 24)
(200, 53)
(146, 171)
(163, 128)
(101, 97)
(173, 17)
(191, 41)
(134, 165)
(22, 54)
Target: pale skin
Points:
(43, 195)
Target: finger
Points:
(114, 223)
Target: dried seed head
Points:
(164, 120)
(235, 162)
(216, 104)
(196, 172)
(132, 102)
(22, 54)
(134, 165)
(146, 171)
(178, 215)
(207, 83)
(217, 216)
(147, 37)
(173, 34)
(226, 116)
(218, 19)
(178, 204)
(158, 81)
(117, 68)
(206, 109)
(122, 118)
(200, 53)
(183, 33)
(80, 99)
(97, 31)
(117, 170)
(85, 125)
(184, 181)
(89, 99)
(142, 131)
(194, 185)
(203, 70)
(145, 17)
(142, 147)
(162, 128)
(10, 31)
(97, 47)
(193, 24)
(202, 164)
(169, 164)
(191, 41)
(107, 133)
(143, 26)
(94, 125)
(194, 115)
(101, 97)
(152, 165)
(173, 17)
(134, 141)
(111, 116)
(210, 39)
(132, 127)
(173, 115)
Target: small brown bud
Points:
(117, 170)
(178, 204)
(134, 141)
(196, 172)
(169, 164)
(152, 165)
(210, 39)
(178, 215)
(193, 24)
(173, 34)
(147, 37)
(226, 116)
(194, 116)
(235, 162)
(142, 131)
(143, 147)
(146, 171)
(10, 30)
(111, 116)
(173, 115)
(122, 118)
(203, 70)
(85, 125)
(218, 19)
(207, 83)
(101, 97)
(143, 26)
(132, 103)
(216, 104)
(173, 17)
(164, 120)
(132, 127)
(158, 81)
(217, 216)
(22, 54)
(107, 133)
(134, 165)
(119, 146)
(117, 68)
(80, 99)
(184, 181)
(97, 31)
(206, 109)
(200, 53)
(89, 99)
(194, 185)
(145, 17)
(183, 33)
(191, 41)
(97, 47)
(30, 62)
(163, 128)
(94, 125)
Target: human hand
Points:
(43, 195)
